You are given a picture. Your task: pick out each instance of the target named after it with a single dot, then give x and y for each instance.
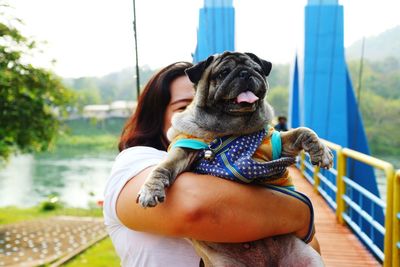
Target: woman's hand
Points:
(208, 208)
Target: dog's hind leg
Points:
(297, 253)
(280, 251)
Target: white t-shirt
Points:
(139, 249)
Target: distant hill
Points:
(386, 44)
(120, 85)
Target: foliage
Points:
(13, 214)
(114, 86)
(31, 98)
(122, 85)
(279, 75)
(380, 77)
(382, 123)
(98, 138)
(69, 146)
(278, 97)
(110, 126)
(379, 100)
(52, 203)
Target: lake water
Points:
(77, 181)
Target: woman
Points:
(197, 206)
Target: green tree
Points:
(381, 77)
(379, 102)
(31, 99)
(278, 97)
(381, 121)
(279, 75)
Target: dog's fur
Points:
(215, 112)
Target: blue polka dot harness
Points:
(231, 157)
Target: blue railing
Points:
(356, 206)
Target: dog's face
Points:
(230, 91)
(233, 83)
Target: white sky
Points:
(95, 37)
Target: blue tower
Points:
(216, 32)
(294, 98)
(328, 104)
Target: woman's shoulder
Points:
(137, 156)
(132, 161)
(140, 150)
(127, 165)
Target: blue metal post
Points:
(329, 103)
(216, 32)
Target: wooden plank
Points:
(339, 247)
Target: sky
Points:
(95, 37)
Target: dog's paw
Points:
(326, 158)
(153, 190)
(150, 196)
(321, 156)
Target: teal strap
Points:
(276, 143)
(190, 143)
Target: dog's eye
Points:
(223, 73)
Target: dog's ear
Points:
(265, 65)
(194, 73)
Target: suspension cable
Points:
(136, 52)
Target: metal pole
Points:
(341, 190)
(360, 73)
(136, 52)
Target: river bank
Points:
(75, 170)
(77, 167)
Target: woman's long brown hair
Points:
(145, 126)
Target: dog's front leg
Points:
(153, 189)
(294, 141)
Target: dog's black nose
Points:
(244, 74)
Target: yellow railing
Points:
(396, 220)
(392, 213)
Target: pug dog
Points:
(220, 133)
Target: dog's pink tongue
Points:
(247, 96)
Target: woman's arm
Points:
(212, 209)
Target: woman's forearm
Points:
(213, 209)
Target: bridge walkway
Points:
(339, 246)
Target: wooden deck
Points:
(41, 241)
(339, 247)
